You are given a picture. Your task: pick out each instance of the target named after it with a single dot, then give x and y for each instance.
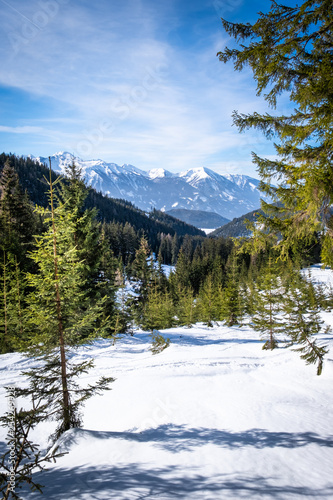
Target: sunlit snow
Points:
(211, 417)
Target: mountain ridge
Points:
(199, 188)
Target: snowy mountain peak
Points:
(156, 173)
(198, 173)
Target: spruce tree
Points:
(158, 311)
(90, 242)
(186, 307)
(289, 50)
(267, 317)
(208, 302)
(142, 270)
(182, 272)
(231, 310)
(302, 320)
(174, 249)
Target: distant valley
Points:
(199, 218)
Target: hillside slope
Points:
(237, 227)
(32, 173)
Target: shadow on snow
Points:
(133, 481)
(175, 438)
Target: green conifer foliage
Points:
(159, 343)
(267, 317)
(182, 273)
(186, 307)
(232, 305)
(12, 312)
(289, 51)
(159, 310)
(208, 303)
(17, 221)
(143, 272)
(90, 242)
(174, 249)
(303, 320)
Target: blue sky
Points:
(127, 81)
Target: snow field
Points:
(211, 417)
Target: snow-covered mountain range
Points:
(195, 189)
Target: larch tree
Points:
(289, 51)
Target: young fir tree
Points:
(142, 270)
(231, 302)
(186, 307)
(182, 271)
(174, 249)
(267, 317)
(208, 304)
(289, 50)
(159, 310)
(302, 320)
(61, 317)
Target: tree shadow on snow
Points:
(175, 438)
(132, 481)
(195, 340)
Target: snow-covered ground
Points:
(211, 417)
